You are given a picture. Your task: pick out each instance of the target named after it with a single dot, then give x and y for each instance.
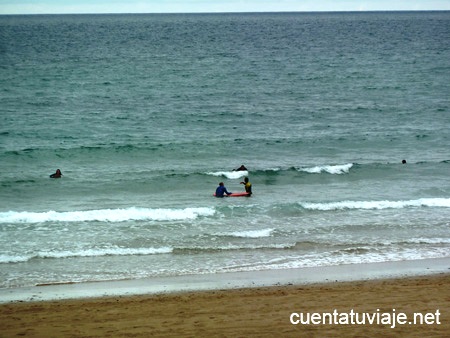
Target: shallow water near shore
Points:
(229, 281)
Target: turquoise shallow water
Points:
(145, 114)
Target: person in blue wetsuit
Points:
(221, 190)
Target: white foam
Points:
(428, 241)
(331, 169)
(232, 175)
(105, 215)
(252, 233)
(91, 252)
(13, 259)
(422, 202)
(112, 251)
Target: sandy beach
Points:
(402, 307)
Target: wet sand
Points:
(246, 312)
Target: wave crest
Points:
(250, 233)
(106, 215)
(330, 169)
(232, 175)
(92, 252)
(422, 202)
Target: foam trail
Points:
(13, 259)
(113, 251)
(331, 169)
(422, 202)
(232, 175)
(91, 252)
(105, 215)
(252, 233)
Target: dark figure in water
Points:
(58, 174)
(241, 168)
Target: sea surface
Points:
(146, 114)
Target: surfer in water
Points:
(241, 168)
(248, 186)
(57, 174)
(221, 190)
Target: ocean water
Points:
(146, 114)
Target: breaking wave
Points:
(422, 202)
(106, 215)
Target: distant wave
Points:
(229, 174)
(330, 169)
(422, 202)
(105, 215)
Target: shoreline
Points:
(400, 307)
(227, 281)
